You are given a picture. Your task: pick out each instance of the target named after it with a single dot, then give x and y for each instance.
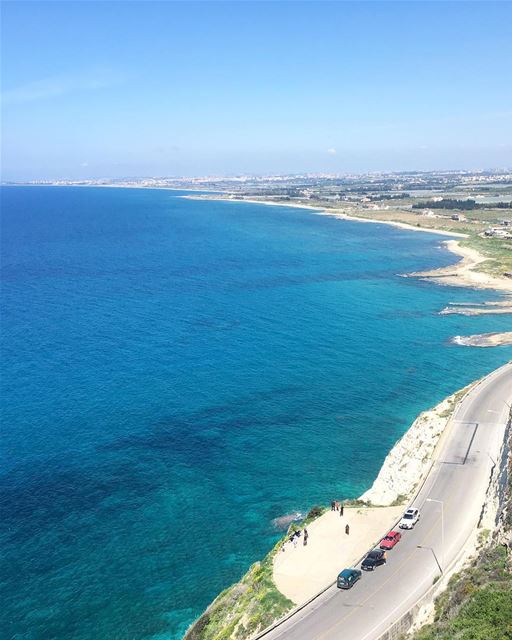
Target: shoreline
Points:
(463, 273)
(333, 214)
(460, 274)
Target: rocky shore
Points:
(485, 340)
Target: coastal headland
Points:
(284, 583)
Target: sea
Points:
(177, 373)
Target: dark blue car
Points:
(347, 578)
(374, 559)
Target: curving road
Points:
(459, 478)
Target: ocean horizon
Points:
(177, 373)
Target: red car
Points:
(390, 540)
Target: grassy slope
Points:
(498, 251)
(477, 604)
(250, 605)
(247, 606)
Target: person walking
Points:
(341, 510)
(347, 529)
(333, 506)
(306, 536)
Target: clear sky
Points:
(97, 89)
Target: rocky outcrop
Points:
(485, 339)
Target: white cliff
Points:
(408, 462)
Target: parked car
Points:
(389, 541)
(409, 519)
(348, 577)
(374, 559)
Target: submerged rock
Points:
(283, 522)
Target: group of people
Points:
(337, 506)
(294, 538)
(295, 535)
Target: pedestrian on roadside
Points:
(306, 536)
(347, 529)
(341, 510)
(333, 506)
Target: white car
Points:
(409, 519)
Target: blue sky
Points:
(93, 89)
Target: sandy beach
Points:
(270, 203)
(333, 213)
(401, 225)
(464, 273)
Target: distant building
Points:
(496, 232)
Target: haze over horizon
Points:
(97, 89)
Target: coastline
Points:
(299, 573)
(305, 207)
(461, 274)
(332, 213)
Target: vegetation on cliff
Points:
(477, 604)
(250, 605)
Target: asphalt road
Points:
(459, 478)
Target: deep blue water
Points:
(176, 374)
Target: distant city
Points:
(312, 185)
(478, 201)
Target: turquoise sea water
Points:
(176, 374)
